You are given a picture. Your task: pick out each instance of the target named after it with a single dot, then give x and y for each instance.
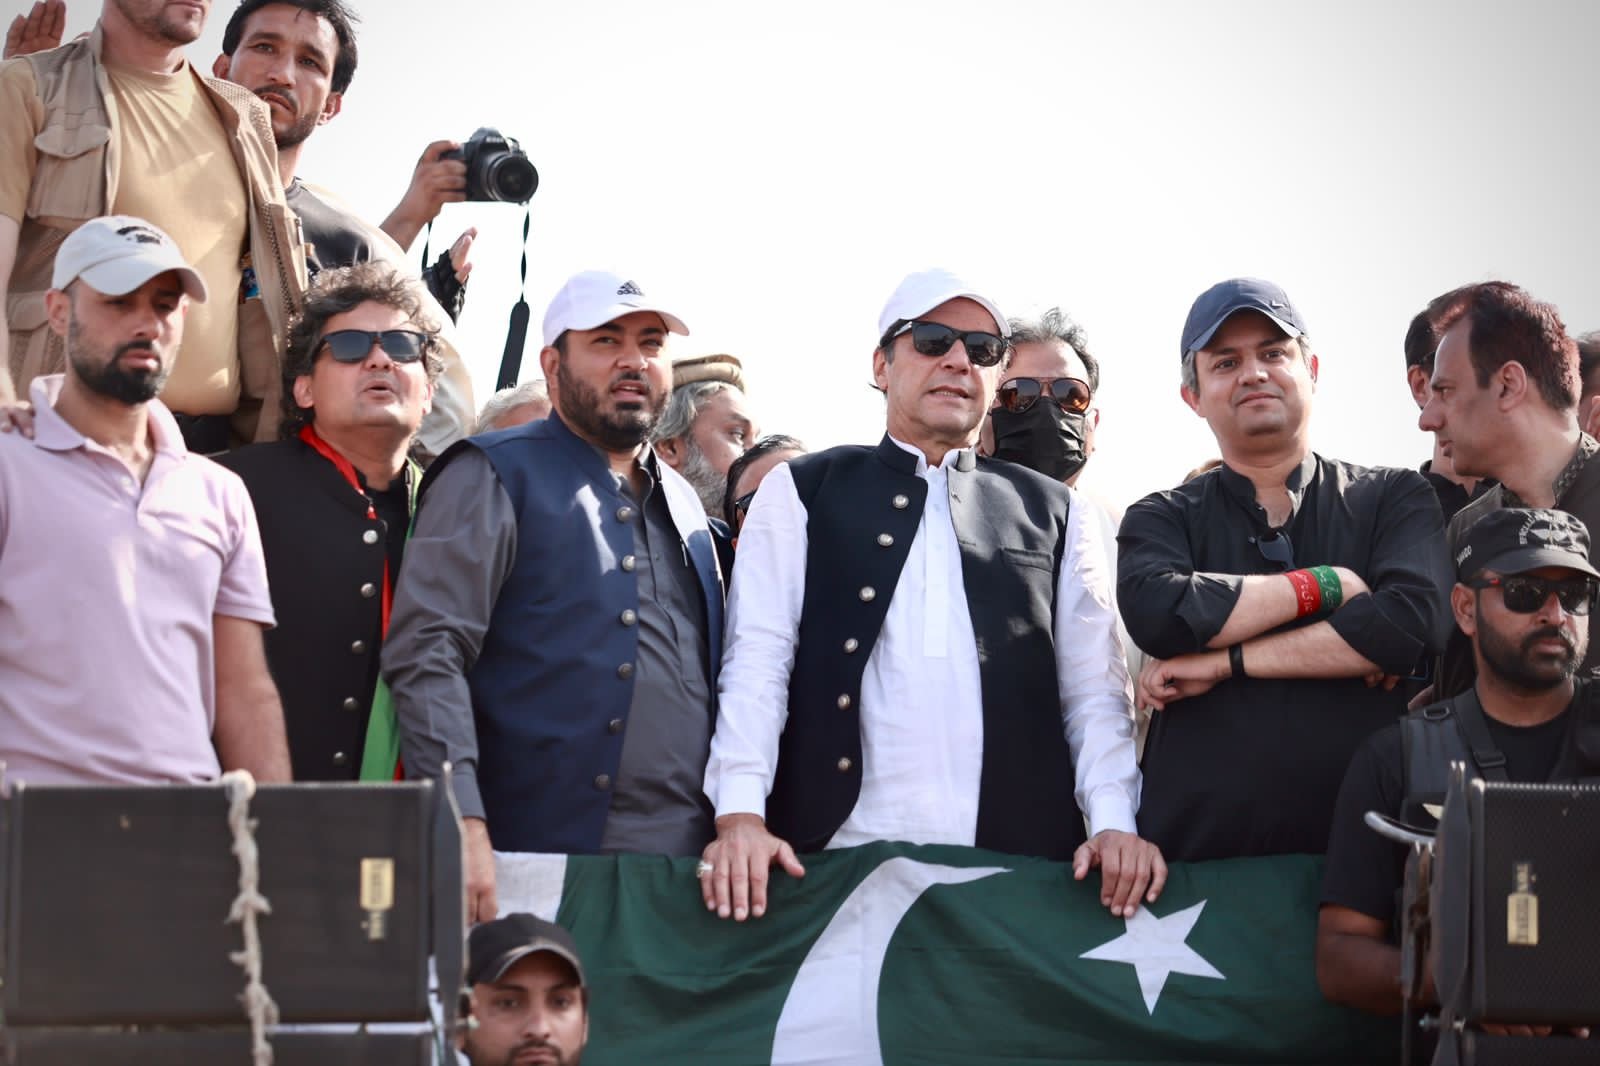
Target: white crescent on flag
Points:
(831, 1014)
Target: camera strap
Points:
(517, 332)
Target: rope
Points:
(247, 906)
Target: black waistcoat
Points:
(325, 569)
(863, 506)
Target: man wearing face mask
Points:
(1044, 415)
(1044, 418)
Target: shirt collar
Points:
(54, 433)
(1587, 446)
(960, 458)
(1243, 490)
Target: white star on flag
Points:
(1155, 947)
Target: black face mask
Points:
(1043, 438)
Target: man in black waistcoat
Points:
(334, 499)
(922, 644)
(1524, 591)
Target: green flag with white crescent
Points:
(895, 954)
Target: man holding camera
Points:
(299, 57)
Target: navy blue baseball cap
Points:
(1226, 298)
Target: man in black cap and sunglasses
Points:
(1523, 596)
(334, 499)
(921, 642)
(1266, 592)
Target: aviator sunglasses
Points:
(1072, 395)
(1524, 595)
(352, 345)
(935, 338)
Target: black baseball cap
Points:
(494, 947)
(1514, 540)
(1226, 298)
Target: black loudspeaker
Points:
(1514, 912)
(70, 1047)
(116, 899)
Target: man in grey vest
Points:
(922, 645)
(1523, 595)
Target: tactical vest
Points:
(1457, 730)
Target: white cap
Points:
(116, 254)
(593, 298)
(921, 292)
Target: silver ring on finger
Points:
(703, 870)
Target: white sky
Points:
(775, 170)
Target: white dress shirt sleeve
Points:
(1096, 696)
(764, 602)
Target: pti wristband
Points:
(1307, 592)
(1236, 661)
(1331, 587)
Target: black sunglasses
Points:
(352, 345)
(1277, 548)
(1018, 394)
(1524, 595)
(935, 338)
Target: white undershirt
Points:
(921, 706)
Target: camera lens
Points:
(511, 178)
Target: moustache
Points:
(134, 346)
(286, 95)
(1550, 633)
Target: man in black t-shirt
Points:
(1523, 594)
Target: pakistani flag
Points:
(896, 954)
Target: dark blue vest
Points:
(554, 680)
(1011, 526)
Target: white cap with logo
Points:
(593, 298)
(921, 292)
(116, 254)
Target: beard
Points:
(614, 431)
(109, 378)
(158, 25)
(697, 470)
(1514, 663)
(479, 1057)
(302, 127)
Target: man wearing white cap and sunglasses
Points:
(133, 593)
(922, 645)
(557, 628)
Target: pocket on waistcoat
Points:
(69, 180)
(1028, 557)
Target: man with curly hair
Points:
(334, 498)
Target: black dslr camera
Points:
(497, 168)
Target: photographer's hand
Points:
(434, 183)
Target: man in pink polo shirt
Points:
(133, 594)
